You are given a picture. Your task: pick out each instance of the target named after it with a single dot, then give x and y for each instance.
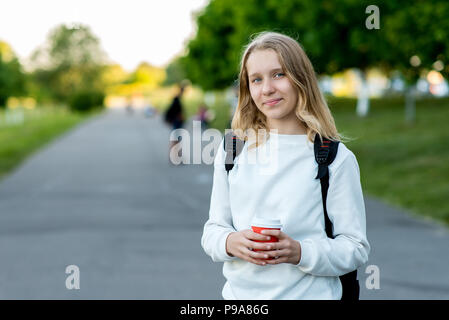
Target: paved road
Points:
(104, 197)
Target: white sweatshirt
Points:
(285, 188)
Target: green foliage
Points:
(86, 100)
(68, 46)
(41, 126)
(398, 162)
(70, 61)
(419, 28)
(175, 73)
(333, 34)
(147, 74)
(210, 52)
(12, 79)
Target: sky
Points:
(130, 31)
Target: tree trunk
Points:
(363, 96)
(410, 104)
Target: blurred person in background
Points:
(205, 115)
(150, 111)
(129, 106)
(174, 115)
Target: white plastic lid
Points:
(266, 223)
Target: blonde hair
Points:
(312, 109)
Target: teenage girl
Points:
(280, 98)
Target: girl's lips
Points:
(274, 102)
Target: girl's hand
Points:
(239, 244)
(286, 250)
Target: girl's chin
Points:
(275, 115)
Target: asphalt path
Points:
(105, 198)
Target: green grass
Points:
(406, 165)
(41, 125)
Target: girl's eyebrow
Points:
(272, 70)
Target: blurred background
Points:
(102, 74)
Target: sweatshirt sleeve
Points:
(219, 225)
(346, 210)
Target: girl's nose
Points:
(268, 88)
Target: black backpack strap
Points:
(232, 146)
(325, 153)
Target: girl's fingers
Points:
(277, 233)
(270, 252)
(254, 254)
(277, 253)
(262, 246)
(257, 245)
(259, 254)
(256, 236)
(253, 257)
(277, 260)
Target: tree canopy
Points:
(12, 79)
(333, 33)
(70, 61)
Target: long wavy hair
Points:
(312, 109)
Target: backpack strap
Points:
(325, 154)
(232, 146)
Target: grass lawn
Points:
(406, 165)
(39, 126)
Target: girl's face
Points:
(272, 92)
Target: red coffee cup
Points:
(259, 224)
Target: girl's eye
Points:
(277, 75)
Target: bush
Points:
(86, 100)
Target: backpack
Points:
(325, 154)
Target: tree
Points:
(334, 35)
(419, 36)
(113, 74)
(12, 79)
(148, 75)
(71, 60)
(209, 62)
(175, 72)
